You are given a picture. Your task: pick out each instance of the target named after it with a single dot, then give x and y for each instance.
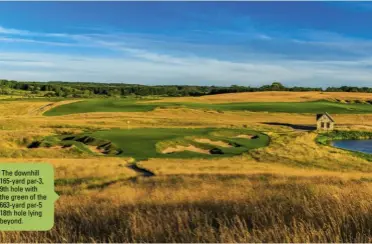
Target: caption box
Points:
(27, 196)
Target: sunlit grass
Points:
(294, 190)
(257, 208)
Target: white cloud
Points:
(23, 40)
(13, 31)
(264, 37)
(186, 71)
(146, 66)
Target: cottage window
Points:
(328, 125)
(322, 125)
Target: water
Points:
(354, 145)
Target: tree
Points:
(277, 86)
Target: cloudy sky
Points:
(197, 43)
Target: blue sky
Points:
(196, 43)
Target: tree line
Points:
(89, 89)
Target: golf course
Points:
(216, 168)
(152, 142)
(185, 122)
(114, 105)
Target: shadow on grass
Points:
(293, 126)
(142, 171)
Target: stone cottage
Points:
(325, 122)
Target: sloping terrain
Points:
(158, 142)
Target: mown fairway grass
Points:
(100, 105)
(125, 105)
(148, 143)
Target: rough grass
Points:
(73, 176)
(258, 208)
(301, 150)
(329, 138)
(272, 96)
(294, 190)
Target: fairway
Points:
(289, 107)
(125, 105)
(100, 105)
(149, 143)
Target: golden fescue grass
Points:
(23, 107)
(291, 191)
(69, 168)
(41, 109)
(299, 149)
(75, 176)
(28, 107)
(243, 165)
(270, 96)
(214, 209)
(176, 117)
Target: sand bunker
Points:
(246, 136)
(180, 148)
(95, 149)
(215, 143)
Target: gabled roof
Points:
(318, 116)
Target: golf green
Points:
(146, 143)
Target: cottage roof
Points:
(326, 114)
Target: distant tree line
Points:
(88, 89)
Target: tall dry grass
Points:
(292, 191)
(299, 149)
(271, 96)
(227, 208)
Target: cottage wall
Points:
(324, 119)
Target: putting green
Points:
(126, 105)
(146, 143)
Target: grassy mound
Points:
(150, 142)
(125, 105)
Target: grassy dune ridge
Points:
(293, 190)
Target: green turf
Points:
(100, 105)
(148, 142)
(125, 105)
(294, 107)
